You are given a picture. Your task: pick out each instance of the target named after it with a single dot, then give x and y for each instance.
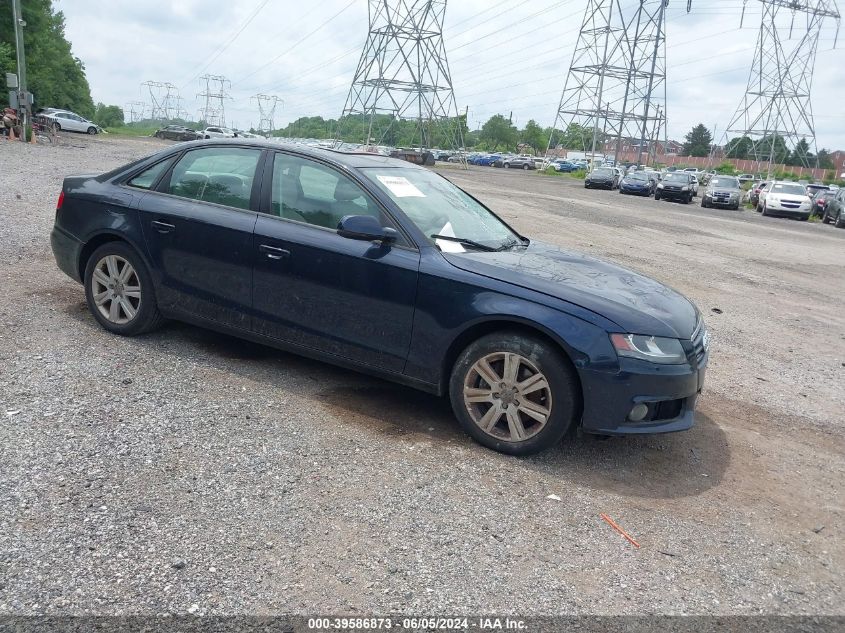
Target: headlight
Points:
(655, 349)
(660, 185)
(685, 188)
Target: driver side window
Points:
(313, 193)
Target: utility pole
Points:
(23, 94)
(214, 113)
(267, 111)
(617, 71)
(403, 74)
(777, 104)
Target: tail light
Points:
(61, 200)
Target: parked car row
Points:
(183, 133)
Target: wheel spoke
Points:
(132, 291)
(111, 264)
(534, 383)
(534, 410)
(511, 369)
(126, 273)
(114, 310)
(489, 420)
(515, 424)
(478, 395)
(101, 298)
(101, 278)
(128, 310)
(487, 373)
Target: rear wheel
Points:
(825, 217)
(514, 393)
(839, 223)
(525, 167)
(119, 290)
(657, 195)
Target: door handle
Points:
(273, 252)
(163, 227)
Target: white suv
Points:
(218, 132)
(786, 198)
(70, 122)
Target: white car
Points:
(71, 122)
(218, 132)
(694, 183)
(786, 198)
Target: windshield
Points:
(725, 183)
(437, 207)
(793, 190)
(676, 177)
(603, 172)
(637, 176)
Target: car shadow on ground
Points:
(652, 466)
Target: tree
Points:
(108, 116)
(698, 141)
(739, 147)
(54, 76)
(535, 136)
(801, 155)
(497, 132)
(825, 162)
(575, 137)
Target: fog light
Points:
(638, 413)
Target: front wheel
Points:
(506, 166)
(92, 130)
(765, 209)
(525, 167)
(656, 196)
(838, 223)
(825, 217)
(119, 290)
(514, 393)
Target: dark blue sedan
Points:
(637, 183)
(379, 265)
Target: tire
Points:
(57, 126)
(805, 218)
(525, 167)
(825, 217)
(703, 204)
(838, 223)
(559, 403)
(656, 196)
(506, 166)
(158, 135)
(92, 130)
(765, 209)
(119, 321)
(735, 207)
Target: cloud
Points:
(504, 56)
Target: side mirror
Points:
(365, 227)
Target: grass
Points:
(550, 171)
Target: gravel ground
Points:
(189, 472)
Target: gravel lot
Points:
(186, 471)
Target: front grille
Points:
(698, 349)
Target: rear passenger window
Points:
(148, 177)
(222, 175)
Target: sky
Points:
(505, 57)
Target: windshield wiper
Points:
(510, 243)
(464, 241)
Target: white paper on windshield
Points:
(400, 187)
(448, 246)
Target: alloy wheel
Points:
(507, 396)
(116, 289)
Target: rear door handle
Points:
(163, 227)
(273, 252)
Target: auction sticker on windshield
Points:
(400, 187)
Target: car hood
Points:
(638, 304)
(599, 177)
(635, 183)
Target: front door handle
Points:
(163, 227)
(273, 252)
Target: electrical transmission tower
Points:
(267, 111)
(776, 115)
(214, 113)
(403, 76)
(614, 97)
(135, 111)
(164, 100)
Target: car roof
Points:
(348, 159)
